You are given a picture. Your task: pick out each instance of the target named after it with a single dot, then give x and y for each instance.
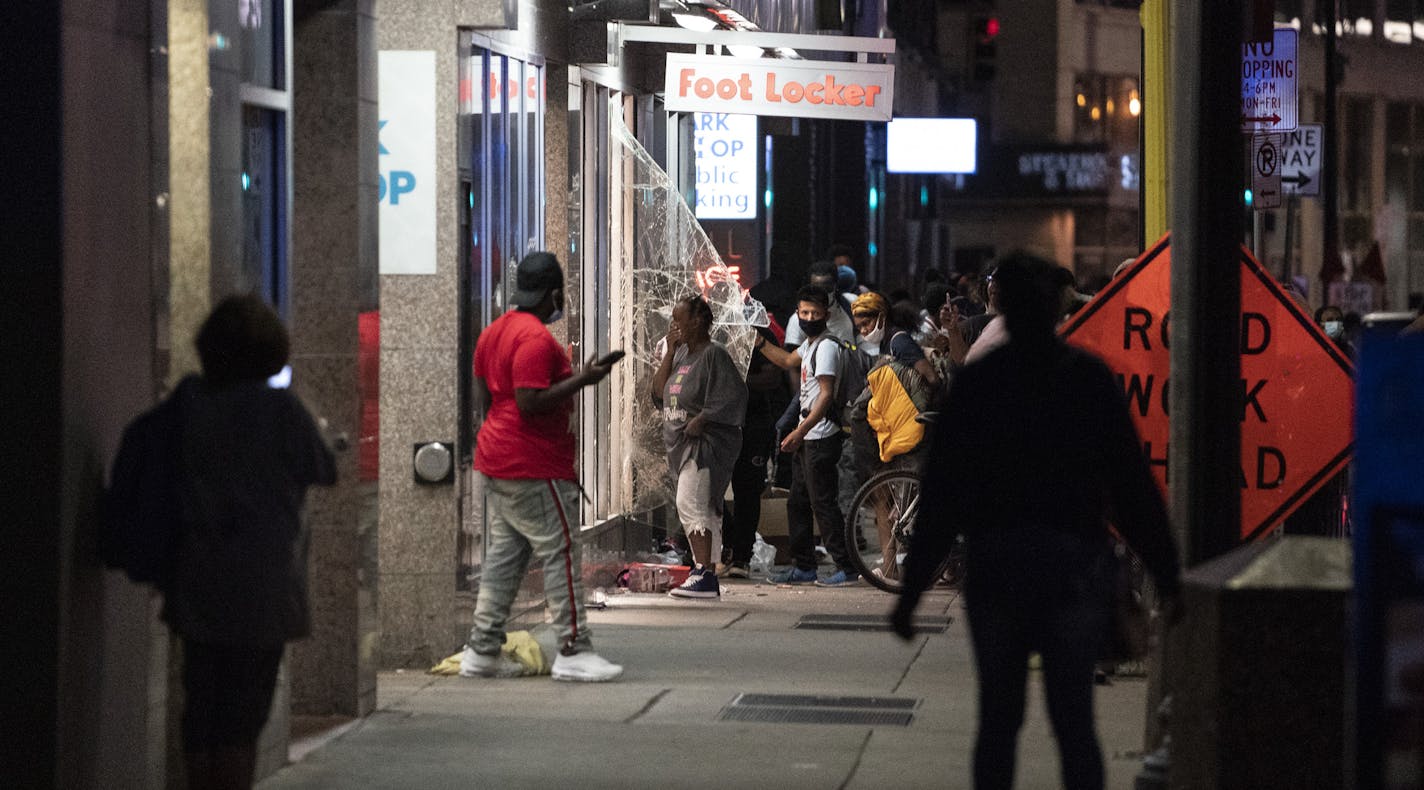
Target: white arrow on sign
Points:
(1300, 160)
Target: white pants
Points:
(695, 509)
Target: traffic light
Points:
(986, 39)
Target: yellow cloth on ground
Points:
(891, 414)
(518, 645)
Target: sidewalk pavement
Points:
(686, 662)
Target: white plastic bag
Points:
(763, 556)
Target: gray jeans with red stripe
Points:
(531, 519)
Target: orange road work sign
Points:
(1297, 387)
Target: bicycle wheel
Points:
(878, 529)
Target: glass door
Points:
(501, 209)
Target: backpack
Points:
(142, 511)
(919, 390)
(851, 371)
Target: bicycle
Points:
(879, 527)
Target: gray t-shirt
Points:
(704, 382)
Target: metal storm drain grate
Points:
(805, 709)
(868, 622)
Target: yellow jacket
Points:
(891, 413)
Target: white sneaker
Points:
(585, 667)
(475, 665)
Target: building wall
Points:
(189, 208)
(1045, 232)
(130, 149)
(420, 613)
(78, 351)
(108, 723)
(1380, 72)
(1092, 38)
(423, 617)
(1025, 89)
(333, 261)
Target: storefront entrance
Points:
(501, 211)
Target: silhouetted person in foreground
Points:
(239, 588)
(1041, 452)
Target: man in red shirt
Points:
(525, 449)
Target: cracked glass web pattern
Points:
(670, 257)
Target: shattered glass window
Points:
(669, 257)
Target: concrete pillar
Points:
(76, 340)
(111, 728)
(189, 205)
(423, 616)
(419, 340)
(333, 257)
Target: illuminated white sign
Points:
(931, 145)
(726, 165)
(1269, 101)
(1073, 171)
(767, 86)
(406, 137)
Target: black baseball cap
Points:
(536, 275)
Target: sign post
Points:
(1296, 393)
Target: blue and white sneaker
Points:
(792, 575)
(700, 583)
(839, 579)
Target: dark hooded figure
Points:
(239, 591)
(1041, 450)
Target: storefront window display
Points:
(639, 249)
(501, 210)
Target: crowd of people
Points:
(899, 350)
(1032, 450)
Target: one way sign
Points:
(1300, 160)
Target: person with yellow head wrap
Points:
(901, 384)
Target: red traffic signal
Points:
(986, 34)
(986, 29)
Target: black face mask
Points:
(814, 328)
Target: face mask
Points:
(558, 313)
(814, 328)
(1334, 328)
(876, 335)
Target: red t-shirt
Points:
(517, 352)
(368, 365)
